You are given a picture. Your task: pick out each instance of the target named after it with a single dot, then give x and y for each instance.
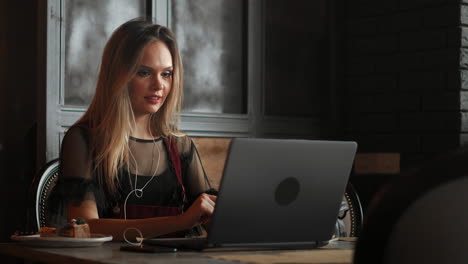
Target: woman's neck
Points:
(142, 129)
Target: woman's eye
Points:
(166, 74)
(143, 73)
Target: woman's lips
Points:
(153, 99)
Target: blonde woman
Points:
(124, 164)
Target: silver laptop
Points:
(276, 193)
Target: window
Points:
(234, 55)
(87, 24)
(211, 37)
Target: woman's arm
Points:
(200, 212)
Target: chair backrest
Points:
(421, 209)
(433, 229)
(350, 217)
(46, 180)
(356, 214)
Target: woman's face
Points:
(152, 82)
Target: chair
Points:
(43, 183)
(419, 216)
(350, 217)
(433, 229)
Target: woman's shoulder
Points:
(184, 142)
(81, 124)
(78, 131)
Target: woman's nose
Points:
(158, 84)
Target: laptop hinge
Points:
(275, 245)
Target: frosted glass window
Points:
(212, 43)
(87, 26)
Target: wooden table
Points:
(335, 252)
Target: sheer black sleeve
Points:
(76, 182)
(195, 180)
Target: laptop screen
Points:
(281, 191)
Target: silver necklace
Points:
(139, 191)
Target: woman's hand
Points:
(201, 210)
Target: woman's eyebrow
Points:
(146, 67)
(168, 68)
(150, 68)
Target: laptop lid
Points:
(280, 191)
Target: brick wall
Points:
(406, 76)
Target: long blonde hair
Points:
(110, 116)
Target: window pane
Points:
(211, 38)
(88, 24)
(296, 57)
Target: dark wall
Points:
(402, 77)
(17, 109)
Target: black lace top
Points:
(150, 169)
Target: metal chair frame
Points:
(354, 208)
(46, 179)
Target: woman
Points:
(124, 164)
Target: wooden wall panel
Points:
(213, 153)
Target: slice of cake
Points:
(76, 228)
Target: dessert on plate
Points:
(77, 228)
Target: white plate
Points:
(37, 241)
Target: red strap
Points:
(175, 158)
